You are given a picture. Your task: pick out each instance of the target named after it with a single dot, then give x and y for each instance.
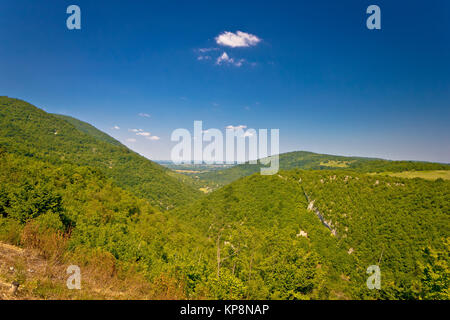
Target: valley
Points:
(71, 194)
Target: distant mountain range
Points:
(309, 161)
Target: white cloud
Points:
(200, 58)
(204, 50)
(145, 115)
(116, 128)
(248, 133)
(241, 126)
(228, 39)
(238, 39)
(224, 58)
(205, 53)
(144, 134)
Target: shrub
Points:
(51, 244)
(10, 231)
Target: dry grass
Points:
(50, 244)
(41, 269)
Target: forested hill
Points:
(271, 241)
(89, 129)
(30, 131)
(69, 191)
(314, 161)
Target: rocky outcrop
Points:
(311, 207)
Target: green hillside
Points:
(314, 161)
(74, 214)
(76, 195)
(89, 129)
(29, 131)
(276, 247)
(252, 239)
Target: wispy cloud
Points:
(200, 58)
(237, 130)
(143, 133)
(205, 53)
(238, 39)
(225, 59)
(241, 126)
(131, 140)
(205, 50)
(116, 128)
(145, 115)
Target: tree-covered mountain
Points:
(89, 129)
(313, 234)
(75, 195)
(315, 161)
(260, 237)
(29, 131)
(73, 214)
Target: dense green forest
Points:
(262, 223)
(314, 161)
(78, 196)
(38, 200)
(88, 129)
(252, 239)
(29, 131)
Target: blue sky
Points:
(310, 68)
